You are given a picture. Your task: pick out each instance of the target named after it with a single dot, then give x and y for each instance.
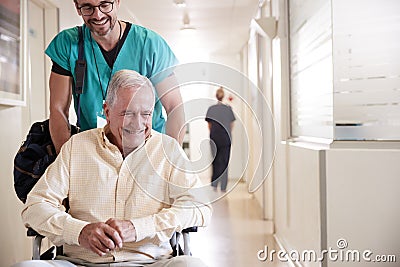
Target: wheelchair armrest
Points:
(31, 232)
(190, 229)
(176, 247)
(186, 239)
(36, 243)
(36, 246)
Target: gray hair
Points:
(126, 79)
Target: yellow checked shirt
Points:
(150, 187)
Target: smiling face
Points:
(129, 118)
(99, 23)
(129, 115)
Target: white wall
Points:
(68, 16)
(363, 193)
(15, 245)
(297, 197)
(326, 192)
(263, 140)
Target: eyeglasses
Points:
(104, 7)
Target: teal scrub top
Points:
(143, 51)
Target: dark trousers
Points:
(220, 165)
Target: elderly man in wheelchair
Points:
(126, 185)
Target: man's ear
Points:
(106, 109)
(77, 8)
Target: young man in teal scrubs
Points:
(109, 45)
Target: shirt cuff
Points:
(144, 227)
(72, 230)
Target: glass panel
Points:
(366, 59)
(11, 91)
(311, 68)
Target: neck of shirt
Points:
(111, 55)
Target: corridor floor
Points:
(236, 233)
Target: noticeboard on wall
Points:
(12, 52)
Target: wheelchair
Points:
(178, 248)
(53, 251)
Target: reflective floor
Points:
(236, 233)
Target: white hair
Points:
(125, 79)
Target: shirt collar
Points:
(107, 143)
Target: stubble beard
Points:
(102, 34)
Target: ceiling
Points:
(222, 26)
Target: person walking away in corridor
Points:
(220, 120)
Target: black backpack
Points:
(37, 152)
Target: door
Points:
(36, 66)
(42, 25)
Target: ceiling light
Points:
(186, 23)
(186, 19)
(180, 3)
(188, 28)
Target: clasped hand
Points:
(102, 238)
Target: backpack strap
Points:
(80, 70)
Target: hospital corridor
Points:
(285, 116)
(242, 237)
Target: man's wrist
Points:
(144, 227)
(73, 229)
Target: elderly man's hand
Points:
(100, 238)
(125, 229)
